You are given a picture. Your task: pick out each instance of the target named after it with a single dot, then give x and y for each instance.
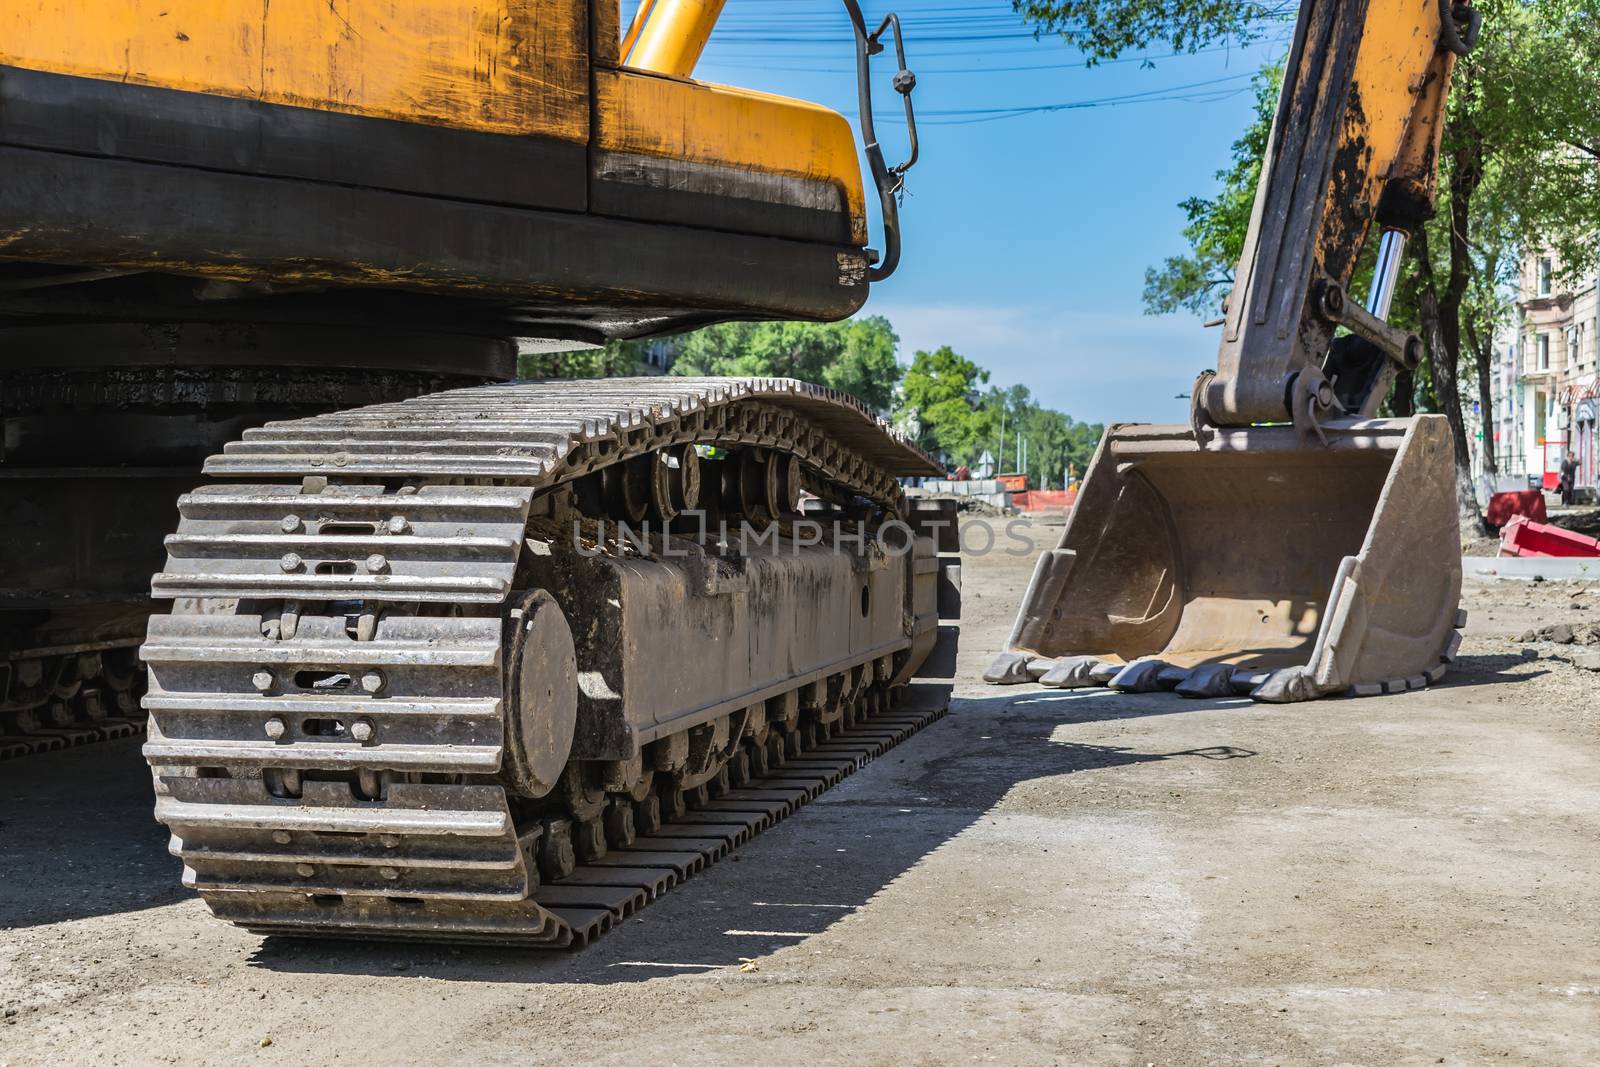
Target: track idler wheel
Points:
(647, 815)
(758, 759)
(673, 802)
(557, 857)
(621, 826)
(675, 482)
(789, 480)
(541, 695)
(739, 768)
(589, 840)
(767, 485)
(626, 488)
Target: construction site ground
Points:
(1041, 877)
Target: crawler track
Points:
(385, 564)
(53, 698)
(571, 912)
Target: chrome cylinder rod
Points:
(1391, 250)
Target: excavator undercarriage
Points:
(503, 663)
(438, 654)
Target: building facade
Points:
(1544, 379)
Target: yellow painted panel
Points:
(693, 121)
(1399, 42)
(1398, 45)
(502, 66)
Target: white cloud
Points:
(1097, 367)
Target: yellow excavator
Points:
(441, 655)
(451, 657)
(1287, 543)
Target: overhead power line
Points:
(971, 39)
(1194, 92)
(923, 70)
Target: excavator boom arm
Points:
(1242, 555)
(1354, 142)
(668, 36)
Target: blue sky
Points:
(1026, 238)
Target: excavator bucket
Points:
(1251, 562)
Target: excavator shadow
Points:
(78, 839)
(1492, 669)
(85, 815)
(821, 867)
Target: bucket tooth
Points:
(1309, 568)
(1102, 672)
(1144, 676)
(1208, 680)
(1011, 668)
(1073, 672)
(1286, 686)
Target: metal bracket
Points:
(1311, 400)
(1402, 346)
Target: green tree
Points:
(1519, 169)
(614, 359)
(1104, 30)
(1216, 225)
(938, 404)
(856, 356)
(1050, 440)
(942, 406)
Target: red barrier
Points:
(1524, 538)
(1042, 499)
(1503, 507)
(1013, 483)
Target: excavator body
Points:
(1287, 543)
(219, 212)
(432, 654)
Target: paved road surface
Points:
(1039, 878)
